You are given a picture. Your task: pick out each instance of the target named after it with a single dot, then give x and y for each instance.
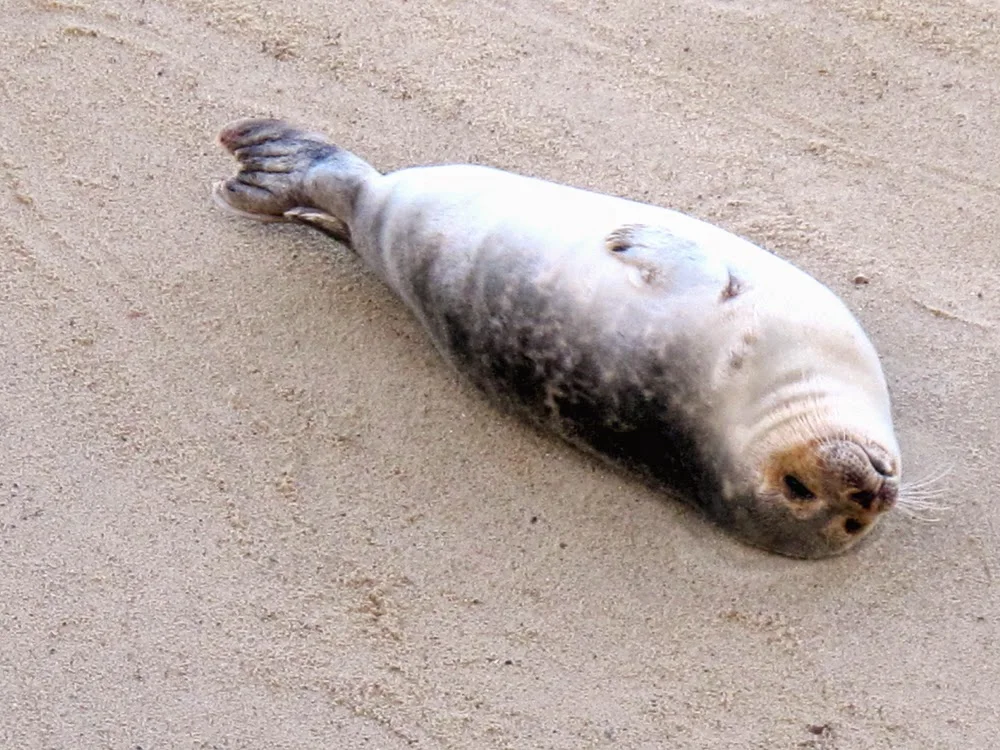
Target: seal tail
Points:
(287, 174)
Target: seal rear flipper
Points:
(284, 169)
(331, 226)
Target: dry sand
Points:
(243, 504)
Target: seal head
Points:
(817, 498)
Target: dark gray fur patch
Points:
(613, 397)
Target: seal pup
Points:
(659, 342)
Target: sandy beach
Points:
(244, 504)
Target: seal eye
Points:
(798, 490)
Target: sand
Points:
(244, 505)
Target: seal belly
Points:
(539, 311)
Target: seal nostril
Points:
(853, 526)
(880, 464)
(863, 498)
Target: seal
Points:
(661, 343)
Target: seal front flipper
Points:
(661, 260)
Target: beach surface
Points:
(244, 504)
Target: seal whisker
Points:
(923, 512)
(924, 493)
(918, 515)
(930, 480)
(920, 505)
(926, 496)
(916, 498)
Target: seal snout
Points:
(878, 500)
(867, 474)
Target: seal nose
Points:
(880, 461)
(879, 489)
(866, 475)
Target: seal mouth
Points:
(853, 525)
(879, 500)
